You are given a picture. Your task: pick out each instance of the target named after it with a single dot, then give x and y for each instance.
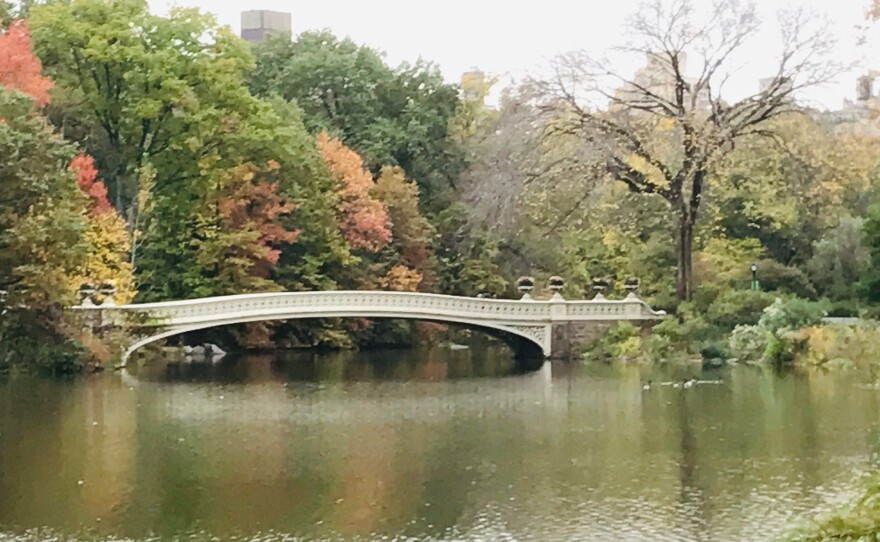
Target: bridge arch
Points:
(536, 336)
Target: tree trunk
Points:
(685, 276)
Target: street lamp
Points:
(754, 276)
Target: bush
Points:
(748, 342)
(622, 341)
(858, 520)
(844, 309)
(46, 357)
(738, 307)
(714, 350)
(776, 277)
(792, 314)
(853, 346)
(777, 337)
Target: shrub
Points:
(621, 341)
(748, 342)
(776, 277)
(844, 309)
(738, 307)
(777, 337)
(714, 350)
(859, 345)
(857, 520)
(792, 314)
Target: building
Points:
(658, 77)
(257, 25)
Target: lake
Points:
(427, 445)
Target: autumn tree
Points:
(411, 232)
(661, 131)
(161, 104)
(363, 219)
(388, 115)
(247, 236)
(20, 69)
(107, 236)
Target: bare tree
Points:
(661, 130)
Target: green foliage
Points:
(871, 274)
(776, 277)
(858, 520)
(839, 256)
(777, 337)
(738, 307)
(389, 116)
(622, 342)
(467, 257)
(42, 222)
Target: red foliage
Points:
(83, 166)
(363, 219)
(256, 205)
(20, 69)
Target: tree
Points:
(661, 132)
(411, 232)
(161, 104)
(19, 68)
(247, 236)
(871, 273)
(107, 237)
(790, 191)
(41, 234)
(363, 219)
(83, 166)
(137, 88)
(388, 116)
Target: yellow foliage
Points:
(723, 260)
(401, 279)
(109, 243)
(839, 344)
(651, 173)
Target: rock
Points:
(214, 350)
(187, 349)
(198, 351)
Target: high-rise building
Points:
(258, 25)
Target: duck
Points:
(647, 386)
(689, 383)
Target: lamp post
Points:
(754, 276)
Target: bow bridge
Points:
(553, 328)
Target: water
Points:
(428, 446)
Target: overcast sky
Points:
(512, 37)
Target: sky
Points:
(511, 38)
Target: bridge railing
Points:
(380, 304)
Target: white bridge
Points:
(542, 323)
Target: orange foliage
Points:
(20, 69)
(363, 219)
(401, 279)
(83, 166)
(250, 204)
(412, 231)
